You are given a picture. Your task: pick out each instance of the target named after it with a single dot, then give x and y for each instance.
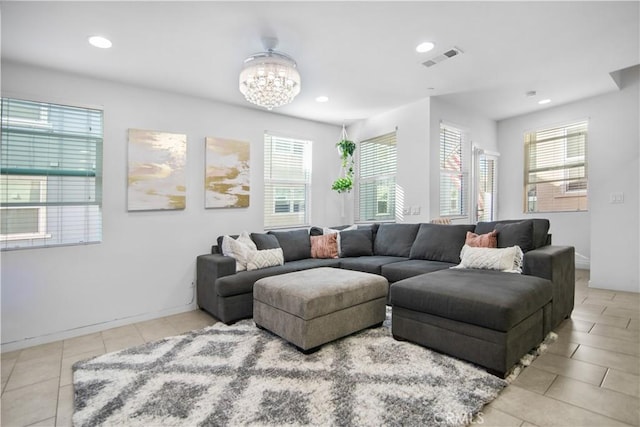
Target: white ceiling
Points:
(360, 54)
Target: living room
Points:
(144, 267)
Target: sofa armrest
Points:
(557, 264)
(208, 269)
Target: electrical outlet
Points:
(616, 198)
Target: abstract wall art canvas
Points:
(226, 173)
(156, 175)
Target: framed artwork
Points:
(226, 180)
(156, 170)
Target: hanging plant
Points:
(346, 148)
(342, 185)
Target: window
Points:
(25, 222)
(377, 179)
(50, 180)
(454, 171)
(556, 169)
(487, 187)
(287, 178)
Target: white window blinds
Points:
(487, 188)
(377, 179)
(51, 169)
(556, 169)
(454, 171)
(287, 177)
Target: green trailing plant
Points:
(346, 148)
(342, 185)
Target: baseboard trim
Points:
(90, 329)
(582, 262)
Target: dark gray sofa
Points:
(490, 318)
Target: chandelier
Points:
(269, 79)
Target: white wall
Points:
(418, 136)
(412, 137)
(606, 237)
(482, 132)
(145, 265)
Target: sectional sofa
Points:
(485, 316)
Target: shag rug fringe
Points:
(528, 358)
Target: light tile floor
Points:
(589, 377)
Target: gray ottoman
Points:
(489, 318)
(312, 307)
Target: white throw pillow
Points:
(265, 258)
(503, 259)
(245, 238)
(239, 249)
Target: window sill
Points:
(26, 236)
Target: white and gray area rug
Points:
(240, 375)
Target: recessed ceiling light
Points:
(425, 47)
(322, 98)
(544, 101)
(100, 42)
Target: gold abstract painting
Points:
(226, 173)
(156, 173)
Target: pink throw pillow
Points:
(489, 240)
(325, 246)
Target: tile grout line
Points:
(614, 337)
(574, 352)
(604, 378)
(544, 393)
(587, 409)
(576, 406)
(607, 350)
(59, 380)
(559, 401)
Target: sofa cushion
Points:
(315, 231)
(490, 299)
(355, 243)
(338, 231)
(401, 270)
(305, 264)
(395, 239)
(540, 229)
(440, 242)
(265, 241)
(516, 234)
(295, 244)
(373, 227)
(242, 282)
(368, 264)
(325, 246)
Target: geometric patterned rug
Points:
(242, 375)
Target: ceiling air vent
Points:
(450, 53)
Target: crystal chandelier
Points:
(269, 79)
